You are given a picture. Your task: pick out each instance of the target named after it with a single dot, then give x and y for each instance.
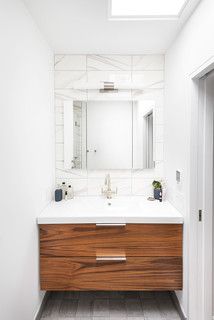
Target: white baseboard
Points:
(41, 307)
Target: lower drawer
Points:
(135, 273)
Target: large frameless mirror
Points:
(108, 135)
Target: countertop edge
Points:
(144, 220)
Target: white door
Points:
(205, 198)
(109, 135)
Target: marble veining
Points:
(148, 79)
(148, 62)
(109, 62)
(70, 62)
(70, 79)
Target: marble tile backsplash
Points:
(78, 77)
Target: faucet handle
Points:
(106, 179)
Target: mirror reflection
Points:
(108, 135)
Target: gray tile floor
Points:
(110, 305)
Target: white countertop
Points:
(132, 209)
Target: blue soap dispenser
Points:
(58, 194)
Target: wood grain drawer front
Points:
(87, 240)
(133, 274)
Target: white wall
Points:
(193, 46)
(26, 156)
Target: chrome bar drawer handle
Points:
(110, 258)
(110, 224)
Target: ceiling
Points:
(82, 26)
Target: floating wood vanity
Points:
(110, 256)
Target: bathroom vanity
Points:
(127, 243)
(110, 121)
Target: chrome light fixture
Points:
(108, 87)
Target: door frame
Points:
(195, 306)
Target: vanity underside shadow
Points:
(130, 305)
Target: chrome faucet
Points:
(107, 191)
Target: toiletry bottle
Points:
(58, 194)
(66, 195)
(160, 196)
(70, 192)
(64, 189)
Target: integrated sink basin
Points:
(132, 209)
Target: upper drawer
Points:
(90, 240)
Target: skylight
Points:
(146, 8)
